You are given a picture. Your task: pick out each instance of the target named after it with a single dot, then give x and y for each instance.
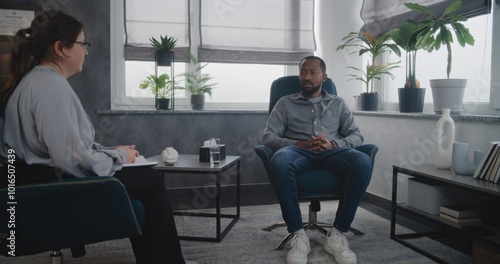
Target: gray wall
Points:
(402, 139)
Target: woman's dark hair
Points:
(33, 44)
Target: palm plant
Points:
(437, 30)
(197, 82)
(406, 37)
(162, 85)
(364, 42)
(373, 72)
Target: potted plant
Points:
(362, 43)
(162, 87)
(197, 84)
(436, 31)
(164, 46)
(411, 96)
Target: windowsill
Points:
(433, 116)
(394, 114)
(179, 112)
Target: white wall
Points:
(334, 20)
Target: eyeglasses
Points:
(85, 45)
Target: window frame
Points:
(477, 108)
(119, 100)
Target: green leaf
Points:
(457, 4)
(419, 8)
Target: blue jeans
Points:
(354, 165)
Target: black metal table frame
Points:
(401, 237)
(220, 234)
(394, 206)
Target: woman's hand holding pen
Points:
(132, 154)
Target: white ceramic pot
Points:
(448, 93)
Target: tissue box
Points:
(205, 153)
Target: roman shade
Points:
(382, 16)
(152, 18)
(257, 31)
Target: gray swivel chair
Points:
(313, 185)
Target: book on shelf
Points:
(491, 171)
(460, 211)
(496, 179)
(494, 168)
(459, 220)
(486, 160)
(487, 165)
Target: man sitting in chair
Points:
(313, 129)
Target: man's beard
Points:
(308, 93)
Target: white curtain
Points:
(382, 16)
(257, 31)
(152, 18)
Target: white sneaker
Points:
(337, 245)
(300, 249)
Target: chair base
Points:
(56, 257)
(311, 224)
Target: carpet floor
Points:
(247, 243)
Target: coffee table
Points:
(191, 164)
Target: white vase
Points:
(460, 159)
(445, 136)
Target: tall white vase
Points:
(445, 136)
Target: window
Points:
(242, 81)
(475, 63)
(433, 66)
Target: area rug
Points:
(246, 242)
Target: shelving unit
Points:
(441, 227)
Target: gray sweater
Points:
(46, 124)
(294, 118)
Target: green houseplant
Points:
(163, 46)
(198, 84)
(365, 43)
(436, 31)
(162, 86)
(411, 96)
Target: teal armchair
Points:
(313, 185)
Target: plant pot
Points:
(163, 103)
(369, 101)
(448, 93)
(357, 103)
(164, 58)
(197, 101)
(411, 100)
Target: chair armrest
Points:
(265, 155)
(370, 150)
